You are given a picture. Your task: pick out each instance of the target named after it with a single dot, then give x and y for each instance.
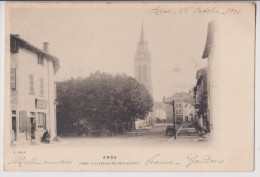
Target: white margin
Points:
(256, 173)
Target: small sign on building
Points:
(40, 104)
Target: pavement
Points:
(152, 137)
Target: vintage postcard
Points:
(130, 86)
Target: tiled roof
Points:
(26, 45)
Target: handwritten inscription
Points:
(22, 161)
(194, 10)
(25, 161)
(58, 162)
(194, 159)
(153, 161)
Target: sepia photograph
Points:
(133, 86)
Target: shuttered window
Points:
(41, 120)
(41, 87)
(13, 78)
(40, 60)
(31, 83)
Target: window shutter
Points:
(41, 87)
(31, 84)
(13, 78)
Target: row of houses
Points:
(203, 88)
(198, 108)
(183, 106)
(32, 91)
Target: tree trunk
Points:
(77, 127)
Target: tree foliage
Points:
(102, 99)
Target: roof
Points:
(181, 97)
(201, 72)
(142, 40)
(26, 45)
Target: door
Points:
(33, 127)
(14, 127)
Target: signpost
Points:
(173, 112)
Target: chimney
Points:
(46, 47)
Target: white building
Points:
(33, 92)
(189, 112)
(160, 114)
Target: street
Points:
(152, 137)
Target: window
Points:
(14, 127)
(13, 78)
(140, 73)
(31, 79)
(40, 60)
(41, 87)
(144, 72)
(41, 120)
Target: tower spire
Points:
(142, 33)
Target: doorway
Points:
(14, 128)
(33, 127)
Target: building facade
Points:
(32, 91)
(189, 112)
(142, 72)
(201, 97)
(180, 102)
(209, 55)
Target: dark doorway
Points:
(33, 127)
(14, 128)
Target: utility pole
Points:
(174, 122)
(173, 116)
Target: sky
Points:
(105, 39)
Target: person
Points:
(201, 127)
(46, 137)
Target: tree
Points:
(102, 100)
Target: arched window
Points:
(140, 73)
(144, 73)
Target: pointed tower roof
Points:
(142, 44)
(142, 40)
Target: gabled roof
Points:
(26, 45)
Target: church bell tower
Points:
(142, 63)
